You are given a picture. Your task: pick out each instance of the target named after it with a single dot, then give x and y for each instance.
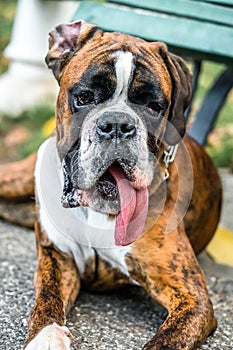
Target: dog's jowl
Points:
(123, 196)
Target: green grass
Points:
(222, 156)
(32, 120)
(209, 74)
(7, 12)
(221, 149)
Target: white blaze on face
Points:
(124, 65)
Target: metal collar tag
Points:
(168, 157)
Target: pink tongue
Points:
(134, 207)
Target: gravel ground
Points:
(122, 320)
(227, 209)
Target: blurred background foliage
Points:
(21, 135)
(7, 12)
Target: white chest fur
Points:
(76, 231)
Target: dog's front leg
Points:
(165, 265)
(57, 284)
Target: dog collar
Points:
(168, 158)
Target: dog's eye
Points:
(146, 98)
(84, 98)
(155, 106)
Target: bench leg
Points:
(195, 79)
(208, 112)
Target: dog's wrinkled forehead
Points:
(120, 74)
(109, 77)
(113, 62)
(97, 55)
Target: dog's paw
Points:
(53, 337)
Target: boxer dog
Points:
(122, 197)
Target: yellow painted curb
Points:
(221, 247)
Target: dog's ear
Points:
(64, 41)
(181, 78)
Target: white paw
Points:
(53, 337)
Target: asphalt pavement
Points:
(122, 320)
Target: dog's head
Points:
(121, 101)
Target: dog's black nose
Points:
(117, 125)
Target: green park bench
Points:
(199, 30)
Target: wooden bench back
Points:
(199, 29)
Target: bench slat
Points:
(217, 2)
(189, 9)
(208, 40)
